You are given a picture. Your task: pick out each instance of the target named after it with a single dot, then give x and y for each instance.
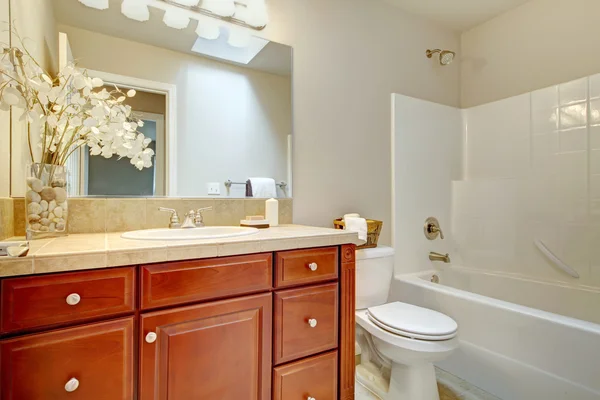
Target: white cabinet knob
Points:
(313, 266)
(312, 322)
(73, 299)
(72, 385)
(311, 398)
(151, 337)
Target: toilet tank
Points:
(374, 271)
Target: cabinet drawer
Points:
(188, 281)
(39, 301)
(93, 362)
(314, 377)
(306, 322)
(299, 267)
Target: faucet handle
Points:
(437, 229)
(199, 218)
(174, 220)
(432, 229)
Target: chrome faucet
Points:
(433, 256)
(193, 219)
(189, 221)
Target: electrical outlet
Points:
(213, 188)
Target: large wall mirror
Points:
(219, 116)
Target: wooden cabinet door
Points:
(92, 362)
(219, 350)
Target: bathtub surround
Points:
(532, 173)
(529, 172)
(426, 159)
(99, 215)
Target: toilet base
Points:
(413, 382)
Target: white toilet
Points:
(409, 338)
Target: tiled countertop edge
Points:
(161, 252)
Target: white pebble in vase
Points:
(272, 212)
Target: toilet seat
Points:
(413, 322)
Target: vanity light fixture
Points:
(97, 4)
(247, 13)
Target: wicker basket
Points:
(373, 231)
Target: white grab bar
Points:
(557, 261)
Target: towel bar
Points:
(228, 184)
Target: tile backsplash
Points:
(6, 218)
(97, 215)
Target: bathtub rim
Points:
(421, 279)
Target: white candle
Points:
(272, 212)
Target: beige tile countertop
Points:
(101, 250)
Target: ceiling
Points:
(460, 15)
(274, 58)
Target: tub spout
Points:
(433, 256)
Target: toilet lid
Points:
(412, 321)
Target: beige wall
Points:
(349, 57)
(542, 43)
(4, 117)
(34, 21)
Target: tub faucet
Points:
(433, 256)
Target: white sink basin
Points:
(209, 232)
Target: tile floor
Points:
(451, 388)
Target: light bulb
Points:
(136, 10)
(176, 18)
(241, 12)
(256, 13)
(98, 4)
(208, 29)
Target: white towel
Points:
(263, 188)
(357, 224)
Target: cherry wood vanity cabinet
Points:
(277, 325)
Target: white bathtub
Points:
(525, 351)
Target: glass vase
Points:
(46, 205)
